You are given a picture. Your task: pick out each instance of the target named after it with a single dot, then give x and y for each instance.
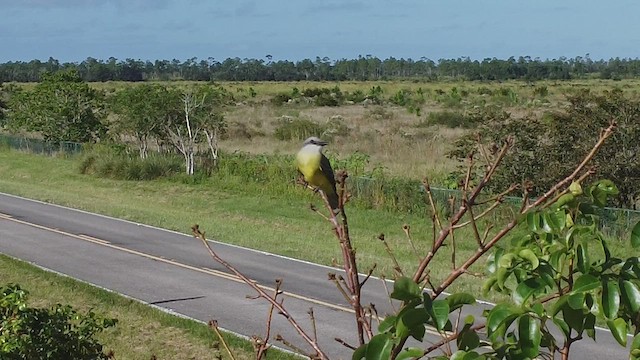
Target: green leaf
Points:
(564, 199)
(573, 318)
(530, 256)
(610, 299)
(525, 289)
(618, 328)
(602, 190)
(530, 336)
(360, 352)
(590, 325)
(582, 255)
(410, 353)
(557, 306)
(499, 315)
(635, 236)
(554, 221)
(506, 260)
(585, 283)
(575, 188)
(463, 355)
(468, 339)
(501, 276)
(534, 222)
(405, 289)
(387, 324)
(414, 320)
(635, 348)
(379, 348)
(457, 300)
(440, 313)
(576, 301)
(562, 325)
(631, 295)
(488, 284)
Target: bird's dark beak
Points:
(322, 143)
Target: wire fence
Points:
(39, 146)
(410, 195)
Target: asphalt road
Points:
(174, 271)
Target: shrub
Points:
(122, 166)
(288, 128)
(451, 119)
(57, 333)
(281, 98)
(541, 91)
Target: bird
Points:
(316, 169)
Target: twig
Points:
(427, 188)
(213, 324)
(345, 344)
(396, 265)
(407, 231)
(313, 324)
(277, 305)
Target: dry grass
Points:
(394, 143)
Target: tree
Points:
(60, 108)
(141, 111)
(200, 116)
(545, 148)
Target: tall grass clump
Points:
(288, 128)
(115, 163)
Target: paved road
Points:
(174, 271)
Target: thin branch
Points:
(213, 325)
(427, 188)
(407, 231)
(277, 305)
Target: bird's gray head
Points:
(313, 140)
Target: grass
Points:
(239, 213)
(141, 332)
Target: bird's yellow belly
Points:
(313, 175)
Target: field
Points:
(398, 140)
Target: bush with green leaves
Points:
(56, 333)
(61, 107)
(546, 147)
(557, 268)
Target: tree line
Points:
(324, 69)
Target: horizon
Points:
(436, 61)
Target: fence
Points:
(409, 195)
(39, 146)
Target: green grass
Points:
(141, 331)
(230, 211)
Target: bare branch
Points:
(272, 300)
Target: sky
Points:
(73, 30)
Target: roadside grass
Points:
(247, 214)
(141, 332)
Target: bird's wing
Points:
(325, 167)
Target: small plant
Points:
(57, 333)
(288, 128)
(541, 91)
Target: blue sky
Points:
(72, 30)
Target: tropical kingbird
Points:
(316, 169)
